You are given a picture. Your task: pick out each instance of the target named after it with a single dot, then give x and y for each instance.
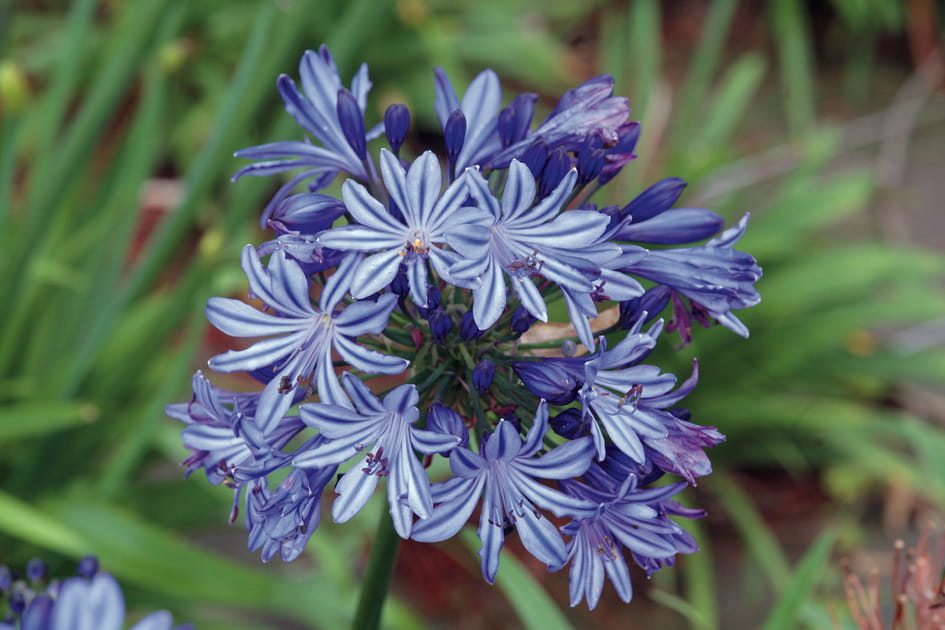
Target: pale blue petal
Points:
(519, 193)
(424, 182)
(261, 354)
(491, 535)
(489, 299)
(430, 442)
(570, 459)
(504, 443)
(450, 516)
(531, 298)
(548, 207)
(396, 181)
(375, 273)
(354, 489)
(417, 280)
(466, 464)
(337, 418)
(238, 319)
(370, 361)
(360, 238)
(541, 538)
(365, 317)
(338, 284)
(364, 399)
(367, 210)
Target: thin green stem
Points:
(377, 577)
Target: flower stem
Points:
(377, 577)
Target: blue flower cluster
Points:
(90, 601)
(436, 269)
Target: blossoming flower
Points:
(427, 220)
(411, 267)
(627, 518)
(328, 111)
(384, 430)
(505, 474)
(91, 601)
(306, 336)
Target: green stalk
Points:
(377, 577)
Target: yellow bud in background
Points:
(14, 88)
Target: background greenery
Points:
(117, 221)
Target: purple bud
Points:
(555, 169)
(656, 199)
(512, 419)
(434, 297)
(396, 122)
(6, 578)
(515, 119)
(590, 160)
(622, 152)
(653, 301)
(522, 320)
(570, 424)
(681, 225)
(468, 329)
(550, 380)
(88, 567)
(17, 600)
(440, 324)
(535, 157)
(36, 570)
(400, 285)
(352, 122)
(482, 375)
(454, 134)
(442, 419)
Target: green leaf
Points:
(154, 559)
(759, 538)
(37, 417)
(535, 609)
(732, 98)
(787, 611)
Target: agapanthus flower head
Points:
(436, 270)
(91, 601)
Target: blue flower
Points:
(628, 517)
(715, 276)
(428, 220)
(385, 430)
(628, 400)
(505, 474)
(525, 239)
(479, 109)
(301, 337)
(222, 435)
(90, 602)
(589, 110)
(328, 111)
(646, 220)
(283, 521)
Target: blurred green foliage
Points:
(103, 322)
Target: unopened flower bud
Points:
(548, 380)
(396, 122)
(442, 419)
(482, 375)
